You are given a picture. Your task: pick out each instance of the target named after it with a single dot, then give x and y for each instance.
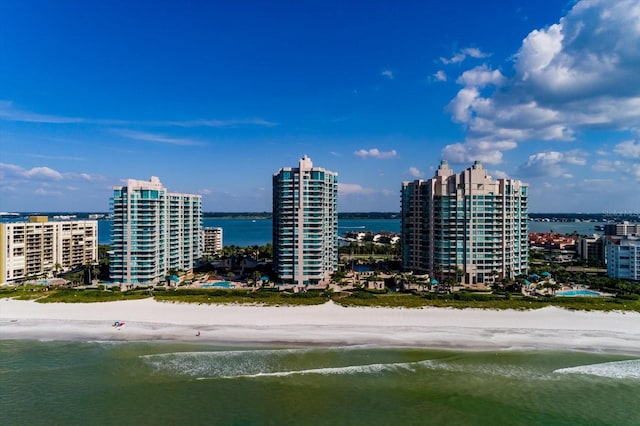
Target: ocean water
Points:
(118, 383)
(248, 232)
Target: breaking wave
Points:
(617, 370)
(265, 363)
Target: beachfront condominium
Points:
(465, 226)
(154, 232)
(305, 224)
(40, 248)
(623, 257)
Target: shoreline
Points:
(549, 328)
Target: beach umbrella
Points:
(434, 281)
(545, 274)
(527, 282)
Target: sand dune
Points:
(328, 324)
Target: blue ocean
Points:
(248, 232)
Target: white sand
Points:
(328, 324)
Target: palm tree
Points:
(57, 268)
(255, 277)
(437, 272)
(459, 275)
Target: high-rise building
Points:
(154, 232)
(39, 248)
(465, 226)
(305, 224)
(623, 257)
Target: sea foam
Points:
(263, 363)
(618, 369)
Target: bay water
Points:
(248, 232)
(163, 383)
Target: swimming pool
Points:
(580, 293)
(218, 284)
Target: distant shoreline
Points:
(596, 217)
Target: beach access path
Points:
(329, 324)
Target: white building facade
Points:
(305, 224)
(154, 232)
(623, 257)
(39, 248)
(465, 226)
(212, 240)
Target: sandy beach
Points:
(329, 324)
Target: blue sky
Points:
(213, 97)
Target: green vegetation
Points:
(374, 298)
(67, 295)
(262, 297)
(369, 251)
(463, 299)
(28, 292)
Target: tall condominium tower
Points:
(465, 226)
(153, 232)
(305, 224)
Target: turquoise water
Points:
(219, 284)
(70, 383)
(574, 293)
(247, 232)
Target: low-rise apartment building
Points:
(212, 241)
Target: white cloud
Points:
(440, 76)
(463, 54)
(628, 149)
(204, 191)
(551, 163)
(43, 172)
(55, 157)
(606, 166)
(9, 113)
(154, 137)
(414, 172)
(218, 123)
(376, 153)
(474, 52)
(353, 189)
(480, 77)
(14, 171)
(499, 174)
(485, 151)
(48, 192)
(388, 74)
(579, 74)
